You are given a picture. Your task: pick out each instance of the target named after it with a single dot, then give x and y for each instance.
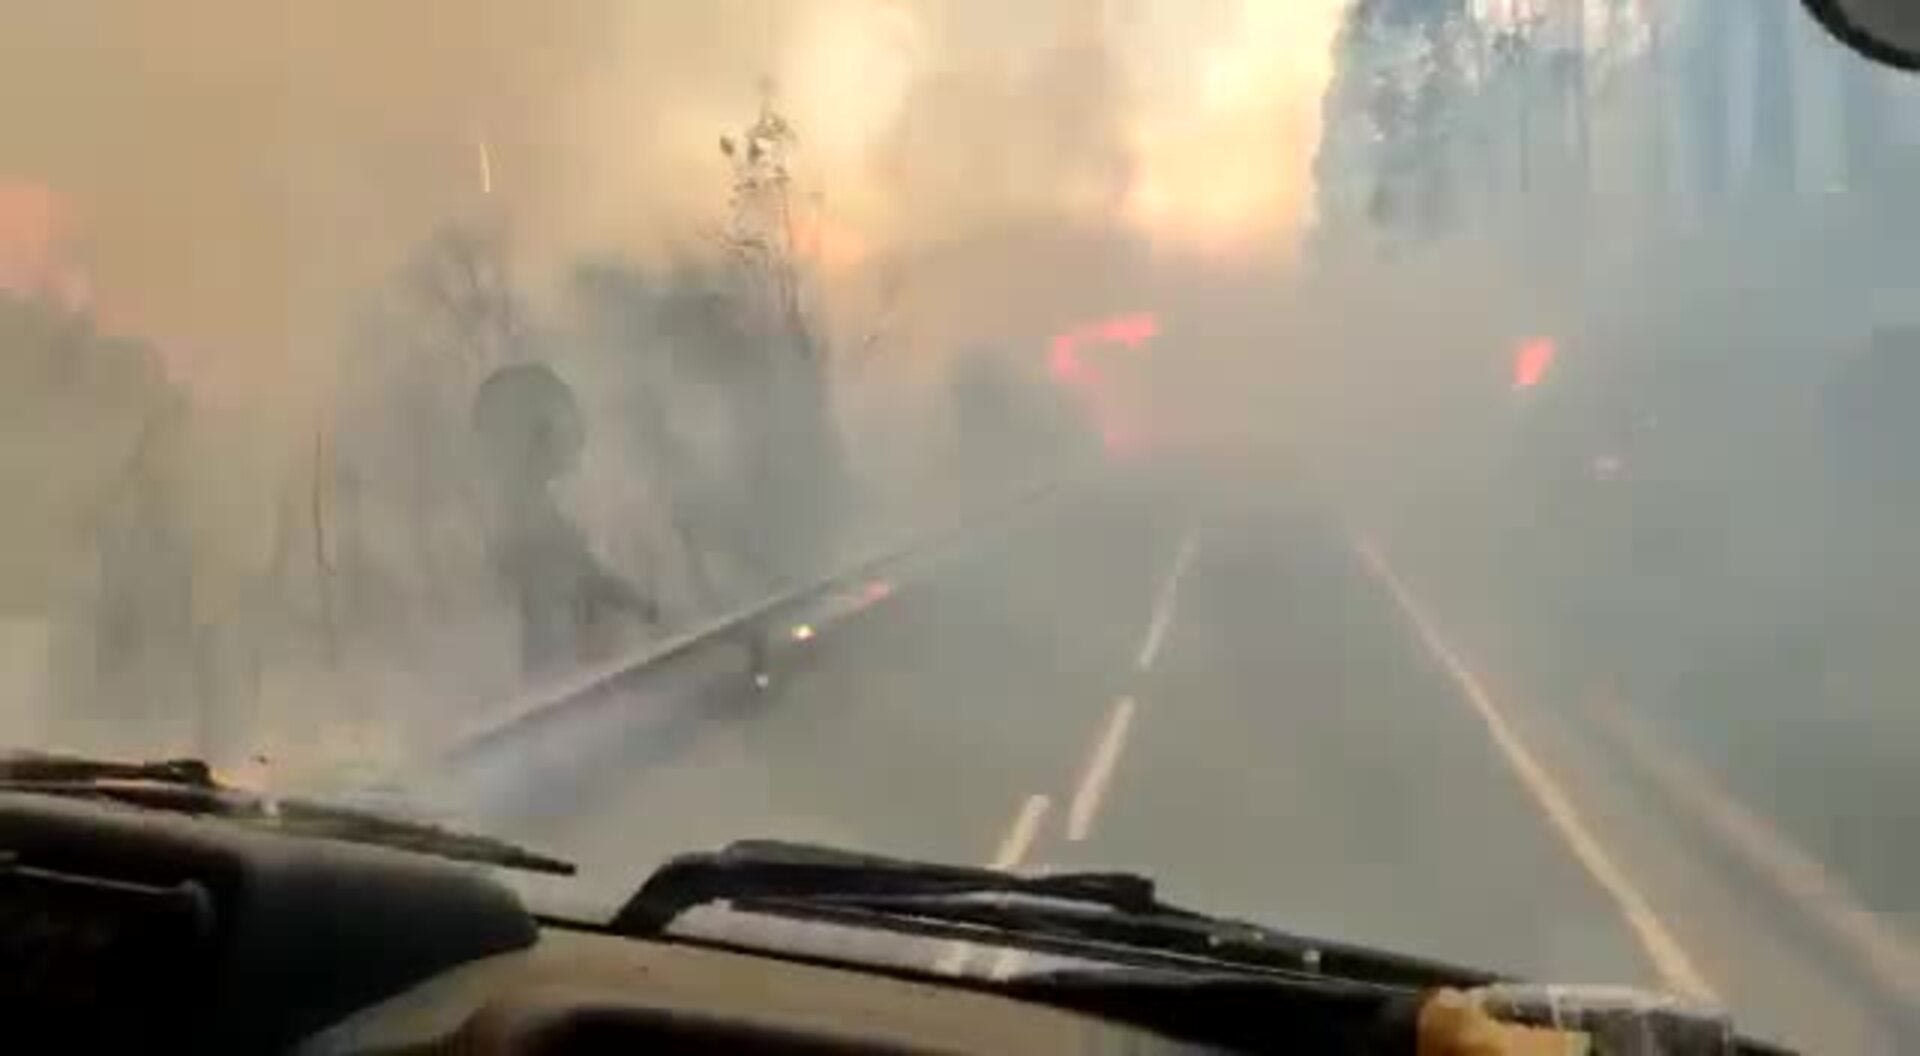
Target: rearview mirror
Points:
(1886, 31)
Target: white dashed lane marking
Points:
(1163, 603)
(1097, 774)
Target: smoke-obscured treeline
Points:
(213, 580)
(1703, 509)
(282, 247)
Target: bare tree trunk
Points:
(1523, 127)
(323, 553)
(1863, 124)
(1578, 114)
(1776, 131)
(1659, 158)
(1707, 101)
(420, 512)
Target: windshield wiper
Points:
(53, 767)
(1116, 912)
(1171, 967)
(187, 786)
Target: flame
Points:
(1220, 149)
(39, 226)
(37, 229)
(830, 244)
(30, 216)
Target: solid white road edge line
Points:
(1097, 774)
(1893, 962)
(1670, 959)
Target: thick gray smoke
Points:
(1698, 216)
(288, 243)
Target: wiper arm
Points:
(775, 869)
(187, 786)
(1112, 910)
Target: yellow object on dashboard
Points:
(1452, 1023)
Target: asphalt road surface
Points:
(1239, 694)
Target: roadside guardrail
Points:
(639, 706)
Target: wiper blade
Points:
(1111, 911)
(22, 766)
(1174, 939)
(187, 786)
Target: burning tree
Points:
(760, 226)
(794, 462)
(724, 377)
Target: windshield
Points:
(1426, 474)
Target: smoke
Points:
(238, 172)
(238, 184)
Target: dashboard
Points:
(578, 992)
(130, 929)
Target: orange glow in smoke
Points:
(1105, 398)
(1064, 361)
(1132, 330)
(1532, 361)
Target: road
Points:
(1237, 693)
